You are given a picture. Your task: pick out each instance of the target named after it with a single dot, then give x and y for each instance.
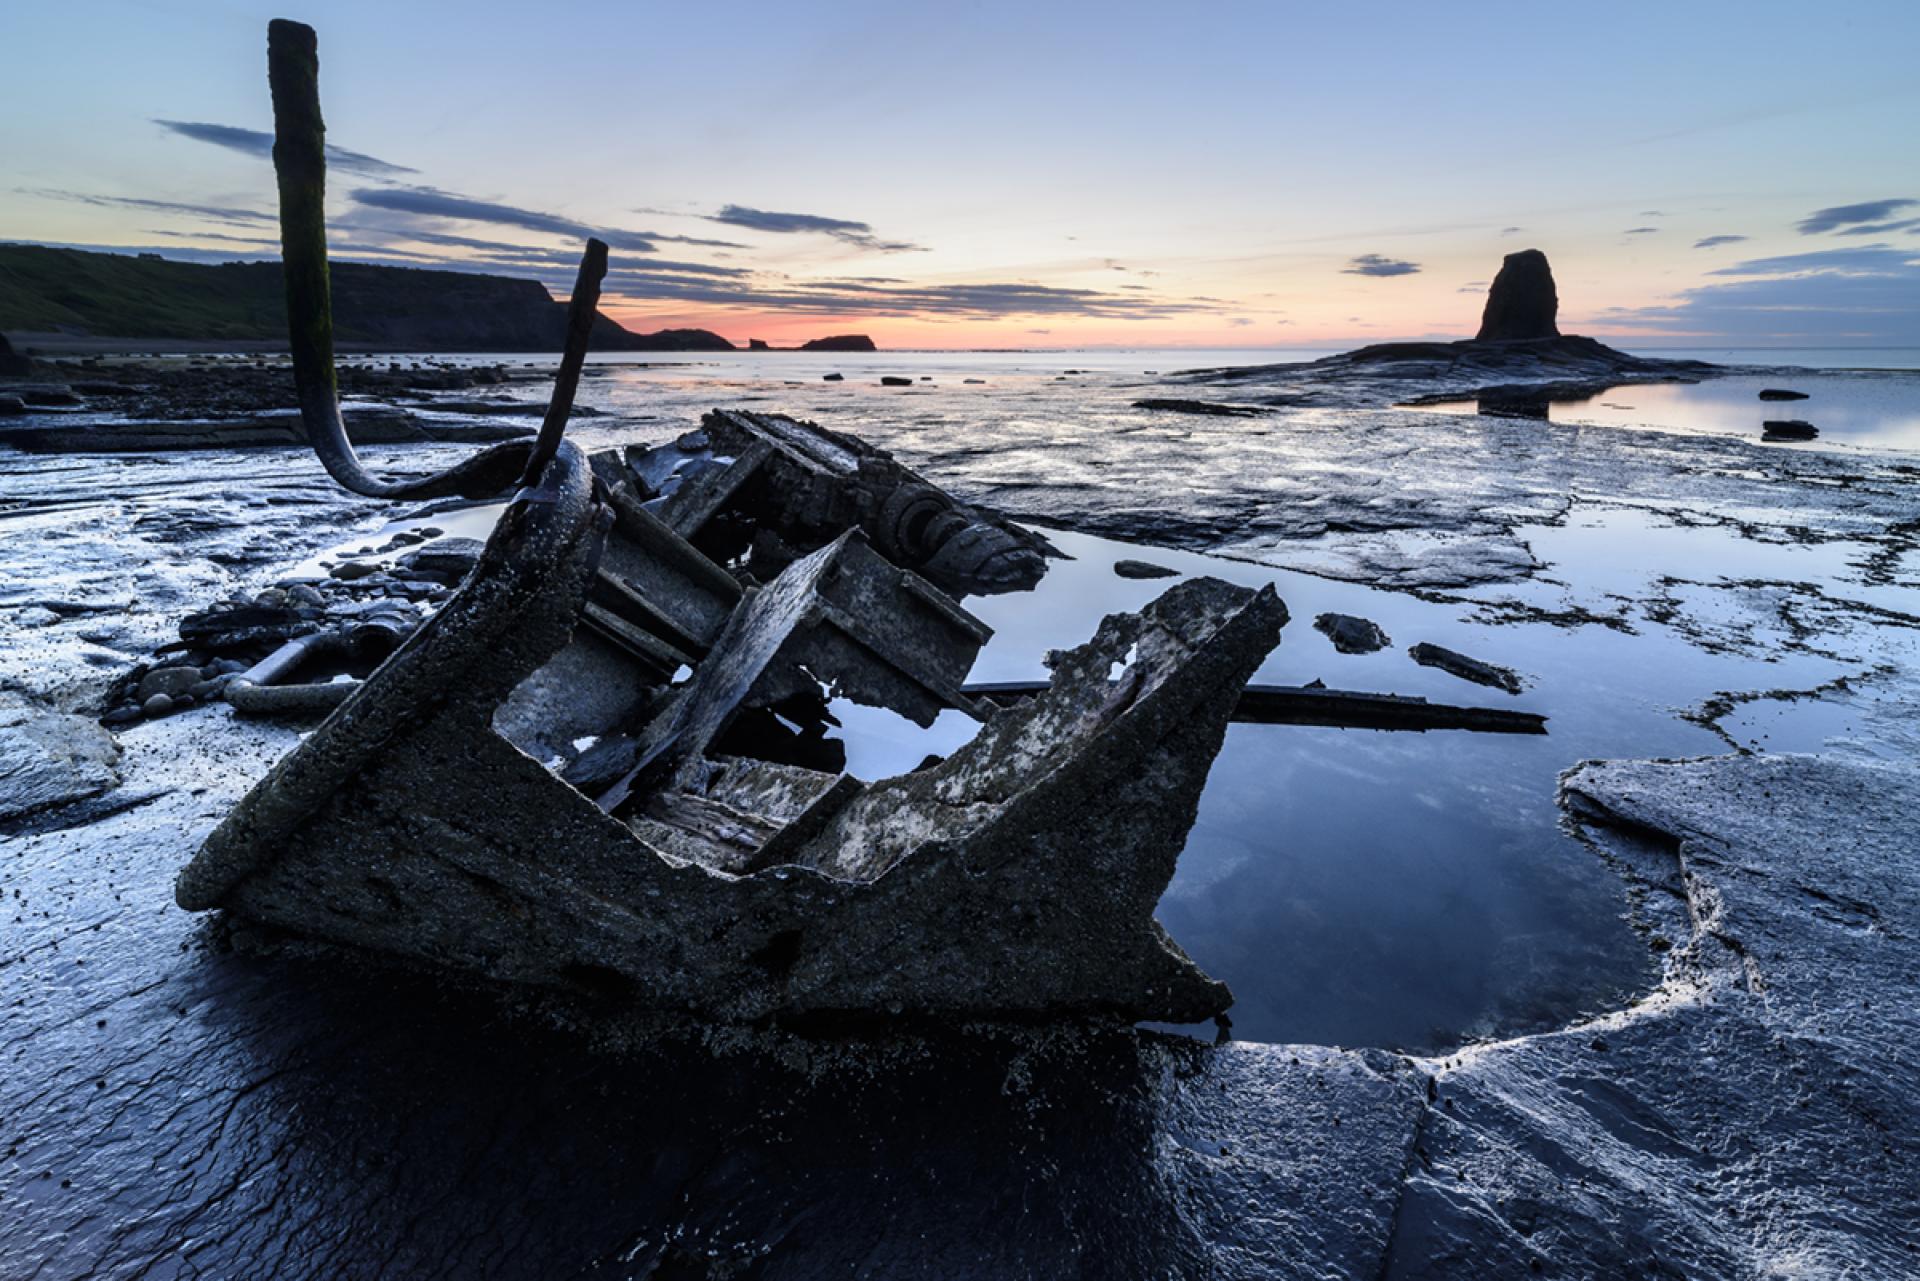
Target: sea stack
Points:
(1522, 303)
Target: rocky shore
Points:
(176, 1098)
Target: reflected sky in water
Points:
(1880, 410)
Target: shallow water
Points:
(1853, 408)
(1405, 890)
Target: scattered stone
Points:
(303, 594)
(1522, 303)
(1142, 569)
(890, 381)
(1352, 635)
(158, 705)
(1467, 669)
(973, 381)
(352, 570)
(833, 378)
(1782, 393)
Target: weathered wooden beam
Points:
(1343, 709)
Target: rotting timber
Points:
(673, 612)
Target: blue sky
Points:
(1028, 174)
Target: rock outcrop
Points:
(1522, 303)
(12, 363)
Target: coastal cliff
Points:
(83, 294)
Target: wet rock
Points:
(1467, 669)
(51, 758)
(1781, 393)
(46, 395)
(1352, 635)
(452, 557)
(1176, 405)
(890, 381)
(12, 406)
(305, 594)
(349, 571)
(1142, 569)
(172, 681)
(833, 378)
(366, 425)
(1522, 304)
(157, 705)
(1788, 429)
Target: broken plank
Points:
(1344, 709)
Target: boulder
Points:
(1142, 569)
(12, 363)
(1522, 303)
(1351, 634)
(1781, 393)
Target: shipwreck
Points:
(604, 765)
(597, 767)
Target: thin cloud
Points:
(1869, 294)
(215, 213)
(254, 142)
(1837, 216)
(1866, 260)
(430, 202)
(1714, 242)
(853, 298)
(1881, 228)
(784, 224)
(1377, 265)
(1642, 231)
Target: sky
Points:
(1029, 174)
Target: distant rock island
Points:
(839, 342)
(81, 294)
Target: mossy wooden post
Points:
(300, 164)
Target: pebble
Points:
(305, 595)
(348, 571)
(158, 705)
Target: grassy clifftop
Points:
(121, 296)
